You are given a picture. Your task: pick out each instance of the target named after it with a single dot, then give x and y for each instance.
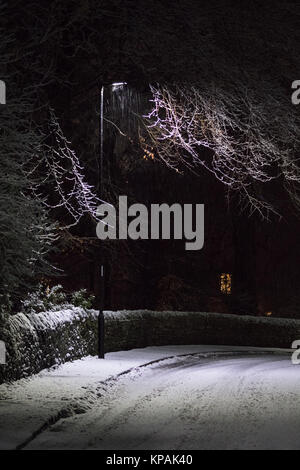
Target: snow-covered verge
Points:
(37, 341)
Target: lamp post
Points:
(101, 324)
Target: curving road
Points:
(225, 401)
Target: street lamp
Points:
(101, 326)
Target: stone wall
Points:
(133, 329)
(38, 341)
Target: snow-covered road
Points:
(190, 397)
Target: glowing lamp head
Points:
(117, 85)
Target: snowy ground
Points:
(172, 397)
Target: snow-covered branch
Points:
(244, 136)
(63, 177)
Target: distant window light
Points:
(268, 314)
(225, 283)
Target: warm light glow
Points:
(148, 155)
(225, 283)
(268, 314)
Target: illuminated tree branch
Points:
(250, 137)
(63, 182)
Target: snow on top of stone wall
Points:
(20, 322)
(138, 314)
(54, 318)
(48, 320)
